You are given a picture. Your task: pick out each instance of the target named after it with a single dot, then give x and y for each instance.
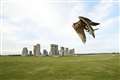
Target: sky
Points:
(24, 23)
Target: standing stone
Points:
(45, 52)
(66, 51)
(36, 50)
(30, 53)
(62, 51)
(54, 49)
(25, 51)
(72, 51)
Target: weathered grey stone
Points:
(45, 52)
(36, 50)
(30, 53)
(62, 51)
(72, 51)
(66, 51)
(54, 49)
(24, 51)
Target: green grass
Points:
(85, 67)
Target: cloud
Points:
(102, 10)
(27, 22)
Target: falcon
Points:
(84, 24)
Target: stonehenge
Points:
(55, 50)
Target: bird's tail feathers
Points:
(94, 23)
(96, 29)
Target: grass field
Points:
(84, 67)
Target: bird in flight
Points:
(84, 24)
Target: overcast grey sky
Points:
(27, 22)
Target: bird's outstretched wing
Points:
(86, 19)
(94, 23)
(88, 26)
(82, 35)
(84, 24)
(89, 21)
(79, 28)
